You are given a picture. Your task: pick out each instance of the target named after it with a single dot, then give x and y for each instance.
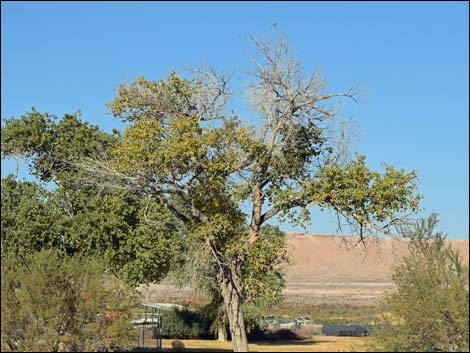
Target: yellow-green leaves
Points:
(168, 141)
(366, 196)
(156, 99)
(139, 147)
(261, 274)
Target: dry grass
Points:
(319, 344)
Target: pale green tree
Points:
(184, 149)
(429, 311)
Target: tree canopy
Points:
(186, 150)
(73, 217)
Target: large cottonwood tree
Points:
(185, 149)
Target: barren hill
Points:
(328, 269)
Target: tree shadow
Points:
(259, 343)
(287, 342)
(148, 349)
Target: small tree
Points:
(51, 303)
(429, 311)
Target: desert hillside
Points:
(314, 257)
(328, 269)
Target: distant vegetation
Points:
(328, 313)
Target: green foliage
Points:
(197, 323)
(75, 217)
(108, 225)
(30, 220)
(262, 276)
(111, 225)
(51, 303)
(52, 145)
(142, 98)
(366, 197)
(254, 320)
(429, 311)
(303, 142)
(186, 324)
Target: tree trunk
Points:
(230, 284)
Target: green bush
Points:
(196, 324)
(429, 310)
(186, 324)
(55, 303)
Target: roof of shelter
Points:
(163, 306)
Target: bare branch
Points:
(300, 202)
(210, 102)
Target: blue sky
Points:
(412, 57)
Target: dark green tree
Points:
(73, 217)
(30, 220)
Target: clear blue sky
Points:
(413, 58)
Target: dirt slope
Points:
(327, 269)
(314, 257)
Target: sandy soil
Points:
(319, 344)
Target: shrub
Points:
(429, 311)
(274, 335)
(186, 324)
(193, 324)
(52, 303)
